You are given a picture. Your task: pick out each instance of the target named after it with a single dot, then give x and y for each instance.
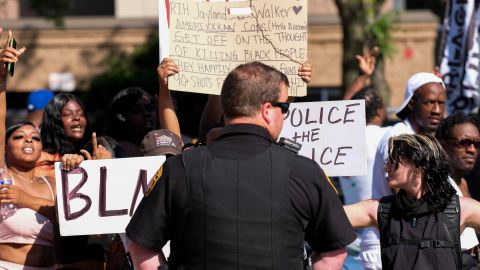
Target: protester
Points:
(422, 110)
(132, 115)
(229, 220)
(161, 142)
(366, 68)
(358, 188)
(26, 230)
(419, 226)
(460, 136)
(64, 130)
(37, 101)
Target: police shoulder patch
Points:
(154, 180)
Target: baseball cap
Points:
(39, 99)
(415, 82)
(161, 142)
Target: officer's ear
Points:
(267, 112)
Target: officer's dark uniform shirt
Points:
(315, 209)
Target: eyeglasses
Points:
(465, 143)
(282, 105)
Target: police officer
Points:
(243, 202)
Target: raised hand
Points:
(166, 69)
(367, 61)
(98, 151)
(8, 55)
(305, 72)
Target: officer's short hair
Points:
(248, 87)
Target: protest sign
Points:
(332, 133)
(209, 39)
(100, 196)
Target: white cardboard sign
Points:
(332, 133)
(100, 196)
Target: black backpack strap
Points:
(450, 218)
(383, 218)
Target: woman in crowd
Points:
(64, 130)
(26, 231)
(132, 116)
(419, 225)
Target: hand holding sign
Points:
(166, 69)
(305, 72)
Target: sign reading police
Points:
(332, 133)
(100, 196)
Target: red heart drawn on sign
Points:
(297, 9)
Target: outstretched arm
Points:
(469, 213)
(366, 67)
(7, 55)
(166, 112)
(362, 214)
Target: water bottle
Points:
(6, 209)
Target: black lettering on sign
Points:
(68, 195)
(348, 111)
(330, 116)
(326, 156)
(340, 153)
(102, 211)
(141, 182)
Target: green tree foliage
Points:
(54, 10)
(363, 27)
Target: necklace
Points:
(21, 176)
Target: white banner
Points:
(459, 55)
(100, 196)
(332, 133)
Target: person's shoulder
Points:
(305, 167)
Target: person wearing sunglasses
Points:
(243, 201)
(460, 137)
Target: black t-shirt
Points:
(313, 198)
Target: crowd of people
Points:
(237, 199)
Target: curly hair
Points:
(444, 130)
(373, 102)
(52, 132)
(426, 154)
